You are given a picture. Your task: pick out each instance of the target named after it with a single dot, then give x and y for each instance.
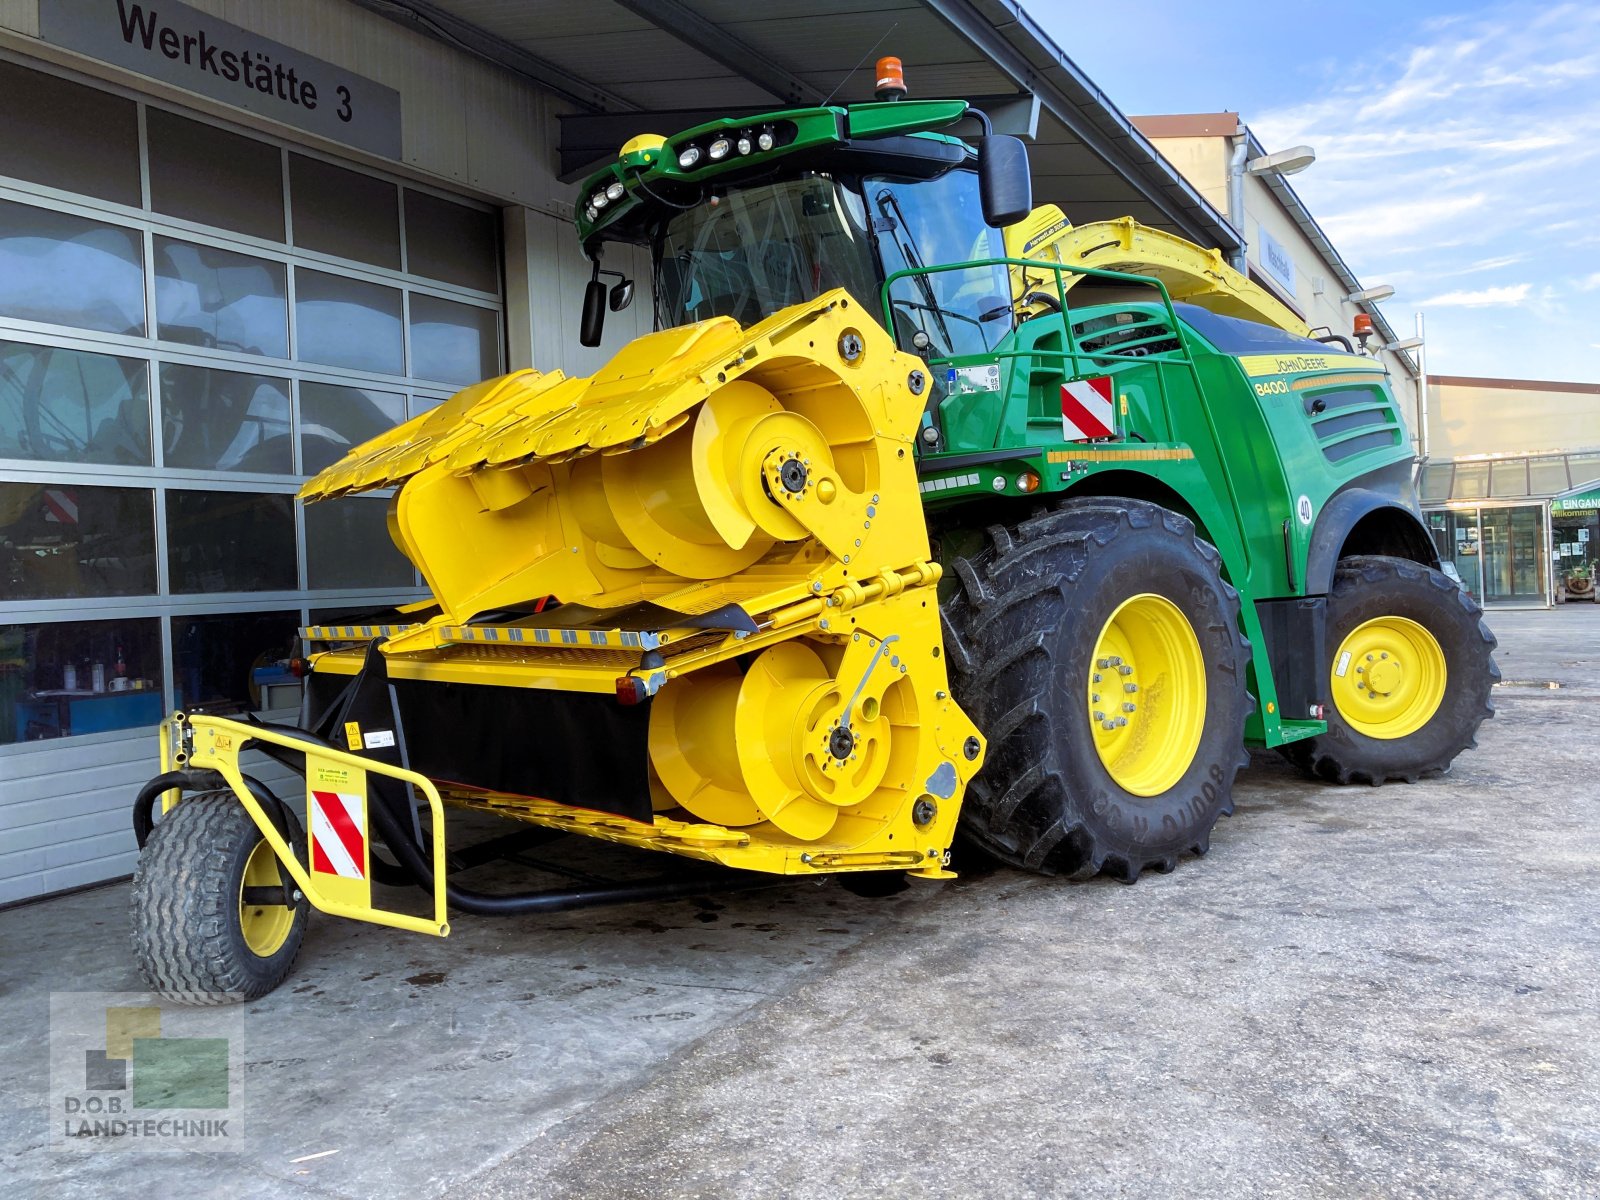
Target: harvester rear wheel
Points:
(204, 928)
(1097, 646)
(1410, 674)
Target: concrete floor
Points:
(1365, 991)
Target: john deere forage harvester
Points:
(923, 515)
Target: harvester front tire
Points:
(1026, 627)
(1380, 594)
(189, 919)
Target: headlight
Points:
(765, 139)
(720, 148)
(598, 200)
(688, 156)
(614, 192)
(590, 213)
(744, 144)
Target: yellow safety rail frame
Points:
(195, 741)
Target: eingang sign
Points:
(190, 49)
(1581, 503)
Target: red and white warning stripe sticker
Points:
(60, 506)
(338, 836)
(1086, 410)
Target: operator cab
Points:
(849, 214)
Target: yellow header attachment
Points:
(701, 466)
(1190, 273)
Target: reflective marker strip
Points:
(337, 843)
(945, 484)
(1344, 664)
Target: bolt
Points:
(1096, 678)
(1098, 715)
(971, 748)
(850, 345)
(1369, 658)
(1125, 670)
(824, 622)
(1385, 654)
(1114, 661)
(941, 695)
(817, 587)
(1108, 724)
(1130, 688)
(1128, 708)
(1094, 697)
(1360, 670)
(874, 497)
(1103, 663)
(856, 636)
(1121, 721)
(858, 543)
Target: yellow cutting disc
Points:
(799, 765)
(692, 745)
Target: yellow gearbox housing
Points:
(706, 470)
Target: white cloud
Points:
(1508, 297)
(1474, 149)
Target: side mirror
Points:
(594, 314)
(621, 295)
(1003, 180)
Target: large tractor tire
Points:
(1098, 649)
(205, 929)
(1410, 674)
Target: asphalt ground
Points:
(1359, 992)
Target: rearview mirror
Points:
(1003, 180)
(594, 314)
(621, 295)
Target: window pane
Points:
(344, 212)
(68, 136)
(455, 343)
(70, 271)
(226, 663)
(71, 406)
(1436, 482)
(452, 242)
(64, 541)
(78, 677)
(230, 542)
(225, 420)
(1472, 479)
(216, 298)
(422, 404)
(348, 323)
(202, 173)
(1509, 479)
(1547, 476)
(1583, 468)
(348, 546)
(335, 420)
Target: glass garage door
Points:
(192, 320)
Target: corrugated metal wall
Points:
(64, 808)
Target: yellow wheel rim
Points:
(266, 926)
(1147, 695)
(1388, 677)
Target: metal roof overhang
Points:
(621, 56)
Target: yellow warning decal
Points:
(352, 734)
(1297, 364)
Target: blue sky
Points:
(1458, 148)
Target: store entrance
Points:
(1498, 552)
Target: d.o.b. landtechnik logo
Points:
(129, 1071)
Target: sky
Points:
(1458, 148)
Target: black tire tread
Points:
(1323, 757)
(185, 907)
(989, 631)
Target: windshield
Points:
(931, 222)
(754, 251)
